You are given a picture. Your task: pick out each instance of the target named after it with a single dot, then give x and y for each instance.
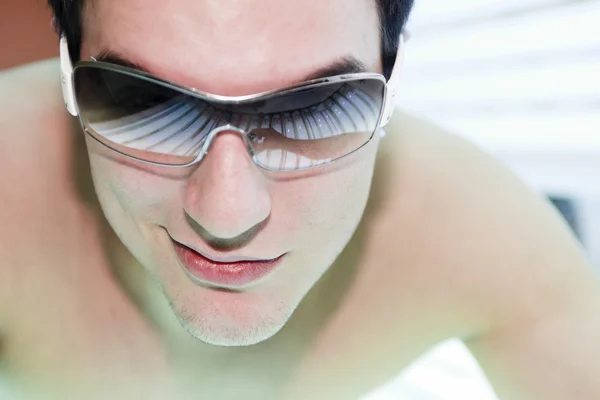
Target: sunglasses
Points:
(158, 122)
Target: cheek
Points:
(329, 203)
(130, 188)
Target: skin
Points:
(416, 238)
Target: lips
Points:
(228, 274)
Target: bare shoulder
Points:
(485, 246)
(31, 103)
(31, 84)
(35, 126)
(36, 169)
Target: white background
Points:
(522, 79)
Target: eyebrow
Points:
(343, 66)
(112, 57)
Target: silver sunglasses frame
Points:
(68, 73)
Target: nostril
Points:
(219, 240)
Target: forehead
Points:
(234, 47)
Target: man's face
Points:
(227, 207)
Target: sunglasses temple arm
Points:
(392, 84)
(66, 71)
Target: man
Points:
(242, 233)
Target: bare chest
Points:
(80, 333)
(85, 337)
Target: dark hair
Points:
(393, 15)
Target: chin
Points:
(230, 319)
(230, 336)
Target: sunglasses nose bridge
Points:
(213, 134)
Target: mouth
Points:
(231, 275)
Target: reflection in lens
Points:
(337, 126)
(156, 123)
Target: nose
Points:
(227, 195)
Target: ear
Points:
(66, 70)
(392, 84)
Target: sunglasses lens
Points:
(316, 125)
(141, 118)
(296, 129)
